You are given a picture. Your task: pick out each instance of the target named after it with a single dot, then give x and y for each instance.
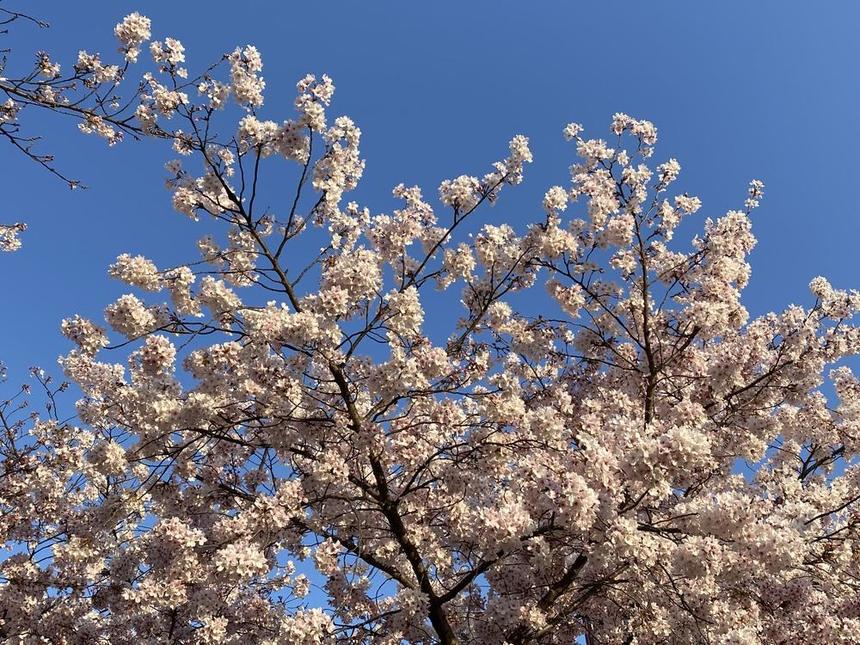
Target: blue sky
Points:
(739, 90)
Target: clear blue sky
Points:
(738, 89)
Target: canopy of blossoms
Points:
(270, 447)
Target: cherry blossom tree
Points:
(602, 446)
